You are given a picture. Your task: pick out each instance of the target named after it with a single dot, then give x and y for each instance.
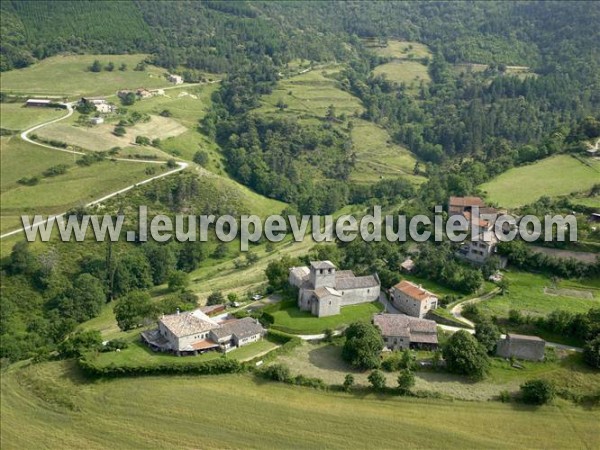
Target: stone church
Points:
(324, 290)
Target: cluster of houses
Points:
(323, 290)
(483, 244)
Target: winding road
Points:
(24, 135)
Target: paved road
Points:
(25, 137)
(457, 309)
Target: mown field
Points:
(101, 137)
(557, 175)
(68, 76)
(412, 73)
(51, 406)
(325, 361)
(15, 116)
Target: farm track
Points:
(24, 135)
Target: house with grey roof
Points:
(193, 332)
(401, 332)
(323, 290)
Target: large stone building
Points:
(530, 348)
(479, 248)
(401, 332)
(324, 290)
(410, 298)
(193, 332)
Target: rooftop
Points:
(241, 328)
(413, 291)
(523, 337)
(349, 282)
(322, 265)
(188, 323)
(418, 330)
(466, 201)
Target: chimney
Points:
(177, 311)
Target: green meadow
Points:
(18, 117)
(69, 76)
(80, 185)
(557, 175)
(411, 73)
(51, 405)
(533, 294)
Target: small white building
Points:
(175, 79)
(37, 102)
(411, 299)
(96, 120)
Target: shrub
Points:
(215, 298)
(591, 352)
(178, 280)
(504, 396)
(54, 171)
(406, 381)
(29, 181)
(201, 157)
(487, 334)
(377, 380)
(537, 392)
(142, 140)
(276, 372)
(115, 344)
(348, 382)
(119, 130)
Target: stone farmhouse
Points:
(324, 290)
(193, 332)
(530, 348)
(411, 299)
(481, 247)
(401, 332)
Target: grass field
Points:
(325, 361)
(399, 49)
(68, 76)
(309, 95)
(409, 72)
(377, 157)
(78, 186)
(557, 175)
(290, 319)
(187, 104)
(15, 116)
(51, 406)
(526, 293)
(101, 137)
